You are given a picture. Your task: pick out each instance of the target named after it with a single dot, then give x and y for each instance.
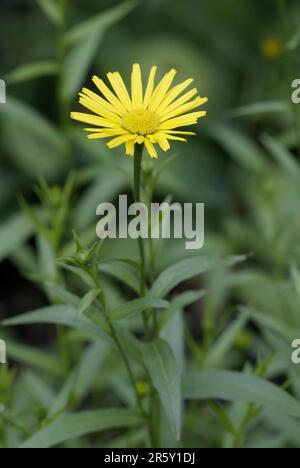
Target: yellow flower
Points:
(272, 48)
(147, 116)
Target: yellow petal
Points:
(182, 101)
(150, 86)
(151, 149)
(182, 121)
(161, 90)
(183, 109)
(130, 147)
(161, 140)
(98, 109)
(109, 131)
(174, 132)
(106, 133)
(93, 120)
(116, 103)
(120, 140)
(172, 137)
(120, 89)
(140, 139)
(174, 93)
(136, 87)
(99, 99)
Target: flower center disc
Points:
(141, 122)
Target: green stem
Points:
(153, 418)
(137, 197)
(114, 335)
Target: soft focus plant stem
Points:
(137, 182)
(94, 273)
(138, 156)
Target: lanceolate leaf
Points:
(165, 375)
(99, 23)
(186, 269)
(31, 71)
(70, 426)
(13, 234)
(238, 387)
(137, 307)
(59, 315)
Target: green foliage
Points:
(201, 355)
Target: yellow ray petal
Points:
(116, 103)
(161, 90)
(109, 131)
(174, 132)
(92, 120)
(120, 89)
(172, 137)
(161, 140)
(106, 133)
(150, 86)
(182, 121)
(120, 140)
(183, 109)
(182, 101)
(140, 139)
(98, 136)
(136, 87)
(98, 109)
(130, 145)
(151, 149)
(99, 99)
(174, 93)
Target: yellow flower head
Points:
(272, 47)
(147, 116)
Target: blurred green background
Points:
(243, 164)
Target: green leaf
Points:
(71, 426)
(242, 149)
(100, 22)
(39, 390)
(238, 387)
(80, 272)
(89, 369)
(77, 64)
(30, 71)
(163, 370)
(221, 347)
(260, 109)
(88, 300)
(189, 268)
(58, 315)
(62, 295)
(51, 10)
(294, 42)
(137, 306)
(35, 358)
(60, 403)
(13, 234)
(33, 143)
(123, 272)
(180, 302)
(283, 157)
(267, 321)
